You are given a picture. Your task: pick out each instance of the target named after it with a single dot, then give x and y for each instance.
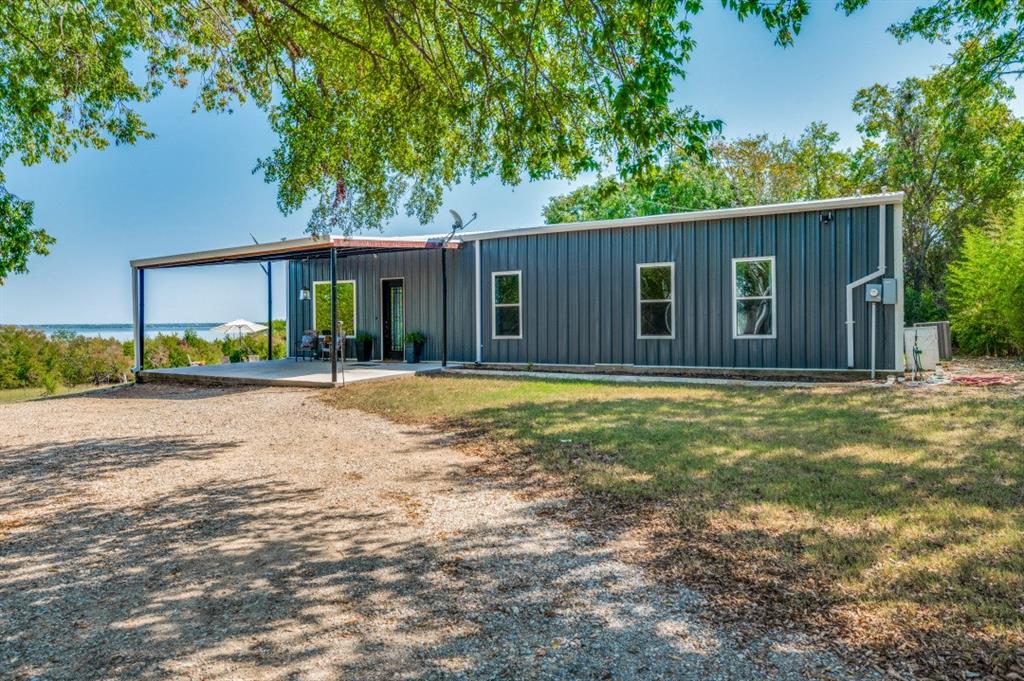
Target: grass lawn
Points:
(892, 519)
(21, 394)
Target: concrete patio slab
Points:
(286, 372)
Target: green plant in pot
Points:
(414, 342)
(364, 346)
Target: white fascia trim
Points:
(694, 216)
(495, 306)
(774, 297)
(897, 260)
(671, 299)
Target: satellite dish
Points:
(457, 218)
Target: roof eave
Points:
(694, 216)
(297, 246)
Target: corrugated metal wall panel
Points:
(579, 292)
(421, 271)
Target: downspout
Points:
(477, 301)
(860, 282)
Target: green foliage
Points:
(91, 360)
(415, 337)
(679, 185)
(27, 358)
(920, 306)
(747, 171)
(986, 292)
(364, 337)
(959, 161)
(346, 295)
(372, 102)
(18, 240)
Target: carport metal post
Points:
(444, 304)
(270, 314)
(334, 316)
(138, 292)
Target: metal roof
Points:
(290, 249)
(315, 247)
(693, 216)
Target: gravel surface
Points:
(162, 531)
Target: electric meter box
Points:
(881, 292)
(873, 292)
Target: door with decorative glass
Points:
(393, 319)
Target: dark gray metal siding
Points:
(421, 271)
(579, 292)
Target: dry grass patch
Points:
(891, 519)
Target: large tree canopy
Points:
(376, 102)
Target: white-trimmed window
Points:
(753, 293)
(346, 293)
(655, 300)
(507, 305)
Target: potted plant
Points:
(414, 342)
(364, 346)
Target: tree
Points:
(762, 170)
(959, 161)
(989, 35)
(986, 288)
(747, 171)
(680, 185)
(372, 100)
(18, 238)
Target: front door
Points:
(393, 313)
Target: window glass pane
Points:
(754, 278)
(506, 321)
(655, 319)
(506, 289)
(346, 306)
(754, 317)
(655, 283)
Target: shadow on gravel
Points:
(48, 470)
(165, 391)
(261, 579)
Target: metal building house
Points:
(808, 287)
(783, 287)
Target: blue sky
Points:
(193, 188)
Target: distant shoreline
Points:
(124, 332)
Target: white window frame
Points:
(735, 299)
(671, 300)
(355, 304)
(495, 305)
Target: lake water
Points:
(123, 332)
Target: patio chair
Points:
(307, 346)
(326, 345)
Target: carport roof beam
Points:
(291, 249)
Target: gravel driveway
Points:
(159, 531)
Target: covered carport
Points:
(330, 247)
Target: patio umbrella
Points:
(239, 325)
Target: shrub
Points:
(986, 289)
(921, 306)
(27, 358)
